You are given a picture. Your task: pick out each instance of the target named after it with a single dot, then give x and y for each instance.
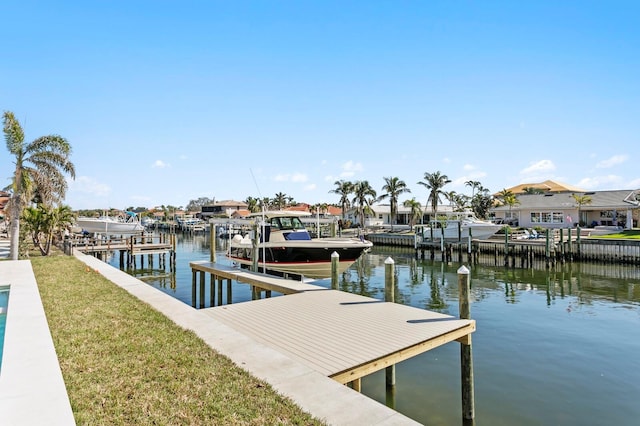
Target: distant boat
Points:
(457, 226)
(287, 247)
(109, 225)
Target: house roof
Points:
(546, 186)
(230, 203)
(618, 199)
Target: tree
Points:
(458, 202)
(581, 200)
(393, 187)
(280, 200)
(364, 195)
(508, 198)
(416, 210)
(41, 166)
(253, 204)
(475, 185)
(343, 189)
(434, 182)
(533, 190)
(45, 223)
(481, 202)
(196, 205)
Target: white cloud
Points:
(601, 182)
(159, 164)
(296, 177)
(89, 185)
(299, 177)
(612, 161)
(634, 184)
(310, 187)
(350, 168)
(468, 167)
(446, 160)
(541, 166)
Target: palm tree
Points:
(253, 204)
(533, 190)
(364, 195)
(416, 210)
(581, 200)
(393, 187)
(41, 166)
(280, 200)
(474, 184)
(44, 224)
(508, 198)
(434, 182)
(343, 189)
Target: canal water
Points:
(552, 347)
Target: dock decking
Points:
(341, 335)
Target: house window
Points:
(547, 217)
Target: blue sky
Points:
(164, 102)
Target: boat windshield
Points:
(286, 223)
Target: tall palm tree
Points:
(343, 189)
(434, 182)
(41, 166)
(280, 200)
(509, 199)
(416, 210)
(474, 184)
(363, 197)
(581, 200)
(393, 187)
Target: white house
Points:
(560, 210)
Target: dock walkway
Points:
(341, 335)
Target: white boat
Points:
(285, 247)
(457, 226)
(109, 225)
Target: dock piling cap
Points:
(463, 270)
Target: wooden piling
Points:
(466, 358)
(389, 296)
(335, 260)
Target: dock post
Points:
(254, 250)
(335, 260)
(389, 296)
(547, 249)
(212, 242)
(466, 358)
(202, 285)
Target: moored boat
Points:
(109, 225)
(457, 226)
(286, 247)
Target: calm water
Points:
(558, 347)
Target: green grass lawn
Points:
(631, 234)
(124, 363)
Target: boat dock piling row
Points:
(374, 334)
(128, 249)
(551, 247)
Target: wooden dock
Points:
(137, 245)
(339, 334)
(342, 335)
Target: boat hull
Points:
(109, 227)
(311, 259)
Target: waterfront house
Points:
(561, 209)
(224, 208)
